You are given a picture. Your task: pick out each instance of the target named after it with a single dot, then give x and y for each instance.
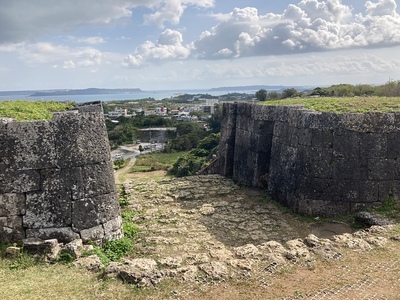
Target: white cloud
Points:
(310, 26)
(168, 47)
(56, 55)
(382, 8)
(350, 64)
(25, 19)
(91, 40)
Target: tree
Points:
(261, 95)
(289, 93)
(274, 95)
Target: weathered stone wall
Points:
(56, 178)
(318, 164)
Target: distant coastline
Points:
(89, 91)
(100, 94)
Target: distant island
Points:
(257, 87)
(89, 91)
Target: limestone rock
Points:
(272, 247)
(377, 241)
(50, 248)
(207, 209)
(171, 262)
(75, 248)
(349, 241)
(372, 219)
(91, 263)
(313, 241)
(243, 264)
(297, 250)
(63, 234)
(215, 270)
(247, 251)
(13, 251)
(187, 274)
(141, 271)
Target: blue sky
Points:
(187, 44)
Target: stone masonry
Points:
(318, 164)
(56, 178)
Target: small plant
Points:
(389, 208)
(130, 229)
(100, 254)
(115, 249)
(23, 261)
(123, 197)
(65, 257)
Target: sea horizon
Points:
(156, 94)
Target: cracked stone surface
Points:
(207, 231)
(208, 227)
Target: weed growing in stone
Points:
(115, 249)
(130, 229)
(123, 197)
(390, 208)
(65, 258)
(100, 254)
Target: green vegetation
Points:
(23, 110)
(188, 135)
(156, 161)
(344, 105)
(130, 229)
(120, 163)
(390, 208)
(197, 158)
(123, 196)
(389, 89)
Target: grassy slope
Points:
(344, 105)
(155, 161)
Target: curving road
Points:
(130, 152)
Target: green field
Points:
(23, 110)
(344, 105)
(155, 161)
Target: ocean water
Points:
(157, 95)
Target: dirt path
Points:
(225, 242)
(119, 174)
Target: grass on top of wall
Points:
(344, 105)
(24, 110)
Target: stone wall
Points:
(318, 164)
(56, 178)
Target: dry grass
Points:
(353, 276)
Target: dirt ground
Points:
(216, 240)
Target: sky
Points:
(187, 44)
